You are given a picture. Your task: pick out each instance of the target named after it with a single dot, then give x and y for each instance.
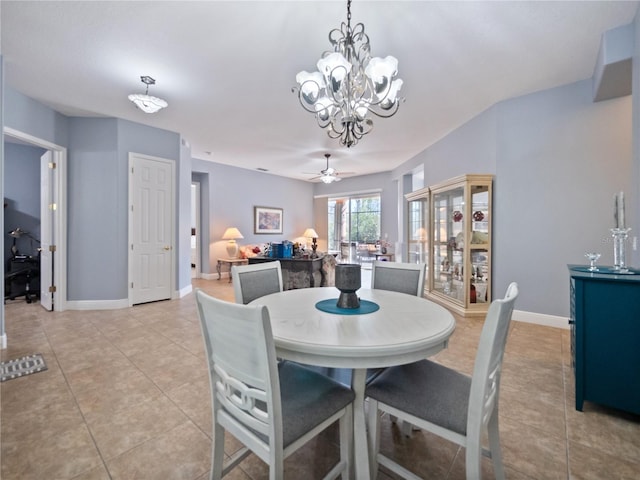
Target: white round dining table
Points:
(404, 329)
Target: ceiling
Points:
(227, 68)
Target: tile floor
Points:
(126, 396)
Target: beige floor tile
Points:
(532, 451)
(194, 400)
(545, 412)
(593, 464)
(57, 413)
(125, 390)
(97, 473)
(610, 431)
(182, 453)
(33, 392)
(116, 433)
(65, 455)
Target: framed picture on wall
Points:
(267, 220)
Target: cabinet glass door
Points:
(479, 248)
(417, 234)
(448, 238)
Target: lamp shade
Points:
(231, 234)
(310, 233)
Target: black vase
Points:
(348, 281)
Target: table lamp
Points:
(231, 234)
(311, 233)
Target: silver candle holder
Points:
(619, 249)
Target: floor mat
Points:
(22, 366)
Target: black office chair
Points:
(22, 279)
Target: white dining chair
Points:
(399, 277)
(272, 409)
(256, 280)
(446, 402)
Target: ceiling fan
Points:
(329, 174)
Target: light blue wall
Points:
(561, 159)
(97, 268)
(22, 196)
(229, 195)
(27, 115)
(558, 158)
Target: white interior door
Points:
(151, 228)
(47, 174)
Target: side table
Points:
(231, 262)
(389, 257)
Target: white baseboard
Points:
(185, 291)
(213, 276)
(3, 341)
(97, 304)
(541, 319)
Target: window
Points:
(354, 219)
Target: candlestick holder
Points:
(619, 248)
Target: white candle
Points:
(621, 223)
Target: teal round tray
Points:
(331, 306)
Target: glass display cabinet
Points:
(460, 242)
(417, 227)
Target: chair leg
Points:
(346, 441)
(473, 455)
(494, 445)
(373, 434)
(217, 452)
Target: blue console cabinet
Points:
(605, 337)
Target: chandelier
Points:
(146, 102)
(350, 85)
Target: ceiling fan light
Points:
(328, 178)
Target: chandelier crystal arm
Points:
(350, 85)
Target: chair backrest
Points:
(485, 382)
(241, 357)
(399, 277)
(255, 281)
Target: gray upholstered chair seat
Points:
(426, 390)
(308, 398)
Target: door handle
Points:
(167, 247)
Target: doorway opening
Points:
(52, 234)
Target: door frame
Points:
(198, 226)
(59, 220)
(130, 236)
